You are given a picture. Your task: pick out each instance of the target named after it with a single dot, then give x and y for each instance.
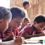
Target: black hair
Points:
(5, 13)
(39, 19)
(17, 13)
(26, 19)
(25, 3)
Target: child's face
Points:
(39, 26)
(15, 23)
(3, 25)
(25, 22)
(26, 6)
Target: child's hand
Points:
(18, 41)
(44, 32)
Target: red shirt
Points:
(29, 30)
(9, 33)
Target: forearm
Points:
(7, 38)
(35, 35)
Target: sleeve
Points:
(27, 31)
(15, 32)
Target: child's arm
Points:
(35, 35)
(8, 37)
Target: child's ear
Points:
(35, 22)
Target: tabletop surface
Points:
(34, 41)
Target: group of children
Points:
(14, 24)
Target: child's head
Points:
(17, 16)
(25, 22)
(39, 22)
(5, 18)
(26, 4)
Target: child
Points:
(5, 18)
(24, 23)
(17, 17)
(35, 29)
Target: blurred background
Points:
(37, 7)
(5, 3)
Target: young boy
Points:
(24, 23)
(35, 29)
(5, 18)
(17, 17)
